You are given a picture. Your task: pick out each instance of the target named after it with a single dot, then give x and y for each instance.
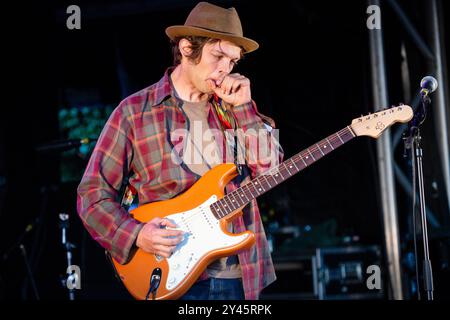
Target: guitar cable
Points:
(155, 279)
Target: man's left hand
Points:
(233, 89)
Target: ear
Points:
(185, 47)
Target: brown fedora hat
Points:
(208, 20)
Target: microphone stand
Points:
(413, 142)
(64, 225)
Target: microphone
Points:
(63, 145)
(428, 84)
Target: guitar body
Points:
(206, 238)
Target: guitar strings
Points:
(282, 167)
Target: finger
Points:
(163, 233)
(171, 229)
(167, 223)
(167, 241)
(227, 86)
(211, 84)
(235, 86)
(230, 83)
(244, 82)
(156, 221)
(217, 90)
(223, 85)
(170, 233)
(221, 79)
(163, 251)
(238, 84)
(219, 93)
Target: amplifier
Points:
(352, 272)
(332, 273)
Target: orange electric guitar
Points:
(204, 211)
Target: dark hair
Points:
(197, 44)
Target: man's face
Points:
(217, 61)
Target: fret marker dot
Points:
(242, 195)
(259, 189)
(306, 157)
(290, 166)
(256, 182)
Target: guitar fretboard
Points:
(271, 178)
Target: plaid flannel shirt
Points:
(135, 146)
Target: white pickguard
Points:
(202, 235)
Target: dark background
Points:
(311, 75)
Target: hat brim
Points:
(249, 45)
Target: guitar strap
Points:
(228, 121)
(128, 194)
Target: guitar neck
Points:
(273, 177)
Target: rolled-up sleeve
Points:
(98, 192)
(261, 140)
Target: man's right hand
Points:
(153, 239)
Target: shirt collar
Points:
(163, 89)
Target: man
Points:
(138, 142)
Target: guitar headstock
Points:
(374, 124)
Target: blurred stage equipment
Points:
(29, 271)
(63, 145)
(20, 244)
(412, 142)
(29, 227)
(343, 272)
(68, 246)
(327, 273)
